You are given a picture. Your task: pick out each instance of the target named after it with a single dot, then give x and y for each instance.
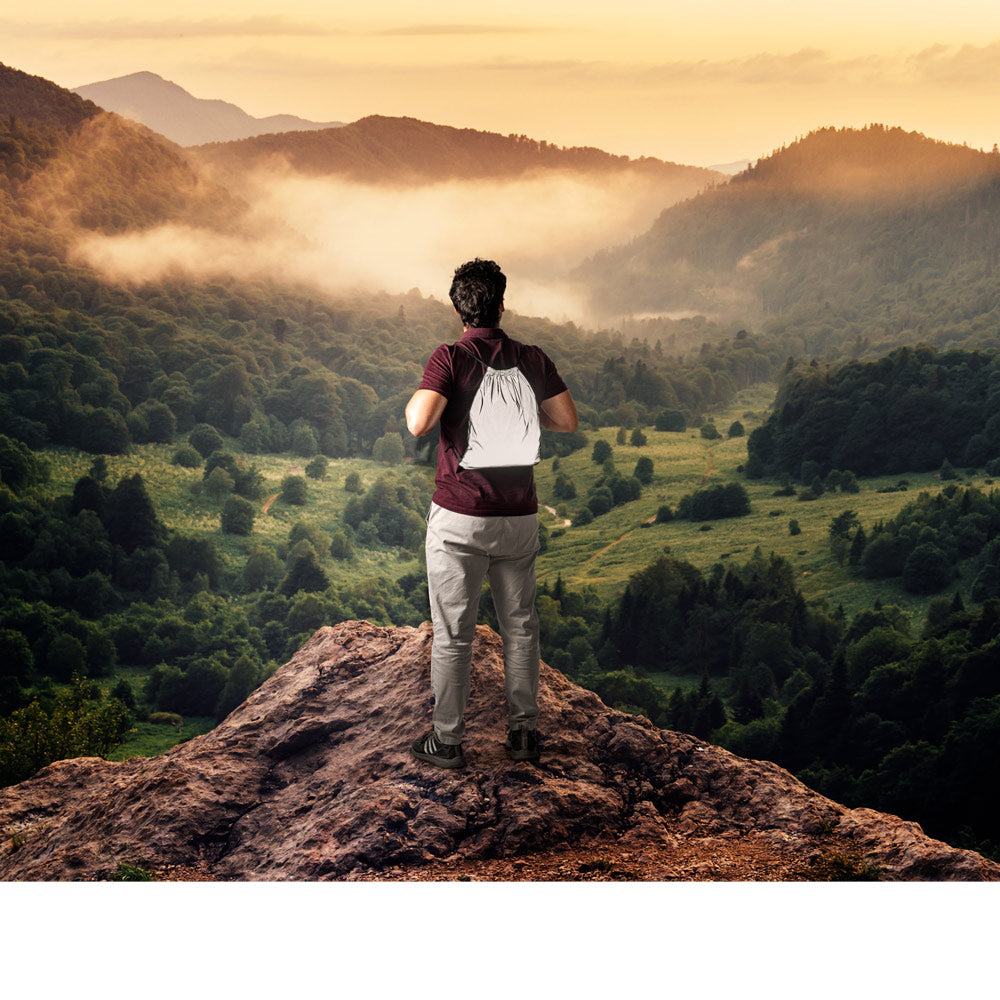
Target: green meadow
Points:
(602, 554)
(183, 505)
(606, 552)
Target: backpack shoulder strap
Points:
(475, 357)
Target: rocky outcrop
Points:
(312, 778)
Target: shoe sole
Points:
(438, 761)
(522, 754)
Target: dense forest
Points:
(911, 410)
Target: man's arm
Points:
(558, 413)
(424, 410)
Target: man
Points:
(482, 521)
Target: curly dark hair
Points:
(477, 292)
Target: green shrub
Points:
(187, 457)
(76, 725)
(126, 871)
(389, 448)
(238, 516)
(165, 719)
(205, 439)
(341, 547)
(713, 502)
(294, 490)
(644, 470)
(670, 420)
(316, 469)
(602, 451)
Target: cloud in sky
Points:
(263, 28)
(419, 30)
(941, 64)
(125, 29)
(960, 65)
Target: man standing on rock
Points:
(490, 394)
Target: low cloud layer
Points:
(337, 236)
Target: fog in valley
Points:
(337, 235)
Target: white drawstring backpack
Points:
(504, 429)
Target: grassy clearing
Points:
(148, 739)
(183, 506)
(670, 682)
(606, 552)
(603, 554)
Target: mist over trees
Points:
(873, 235)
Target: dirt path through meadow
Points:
(710, 468)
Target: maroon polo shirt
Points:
(451, 372)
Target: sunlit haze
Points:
(701, 84)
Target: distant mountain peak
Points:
(405, 149)
(876, 160)
(167, 108)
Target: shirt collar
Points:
(483, 333)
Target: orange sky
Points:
(696, 83)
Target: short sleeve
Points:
(551, 383)
(438, 373)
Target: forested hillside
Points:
(66, 166)
(377, 148)
(93, 365)
(909, 411)
(876, 233)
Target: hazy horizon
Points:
(703, 87)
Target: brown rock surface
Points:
(312, 778)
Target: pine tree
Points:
(129, 517)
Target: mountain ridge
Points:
(41, 103)
(311, 779)
(407, 148)
(70, 166)
(172, 111)
(854, 217)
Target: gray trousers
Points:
(461, 552)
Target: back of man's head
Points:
(477, 292)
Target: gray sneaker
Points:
(429, 748)
(522, 744)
